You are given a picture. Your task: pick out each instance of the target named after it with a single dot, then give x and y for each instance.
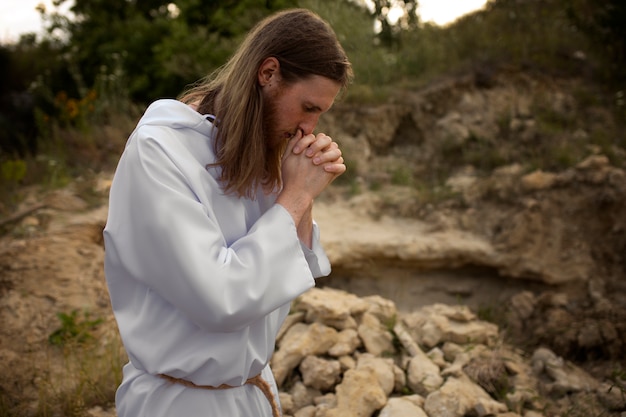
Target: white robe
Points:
(200, 282)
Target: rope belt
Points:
(257, 381)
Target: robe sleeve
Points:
(315, 256)
(160, 234)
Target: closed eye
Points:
(312, 109)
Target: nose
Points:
(308, 125)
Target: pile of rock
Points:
(339, 355)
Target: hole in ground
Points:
(410, 288)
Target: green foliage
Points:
(353, 25)
(388, 30)
(73, 328)
(77, 377)
(12, 170)
(433, 193)
(618, 381)
(161, 46)
(116, 56)
(476, 151)
(401, 175)
(406, 391)
(603, 23)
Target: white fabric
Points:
(200, 282)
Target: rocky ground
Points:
(505, 296)
(395, 349)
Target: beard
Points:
(270, 119)
(275, 140)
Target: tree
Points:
(603, 23)
(408, 19)
(160, 45)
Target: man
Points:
(210, 233)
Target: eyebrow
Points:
(311, 106)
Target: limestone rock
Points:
(347, 342)
(301, 340)
(335, 308)
(320, 373)
(424, 376)
(358, 395)
(303, 396)
(403, 407)
(459, 397)
(438, 323)
(376, 338)
(382, 368)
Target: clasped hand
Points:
(311, 163)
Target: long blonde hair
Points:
(304, 45)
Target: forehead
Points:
(315, 90)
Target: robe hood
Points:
(176, 115)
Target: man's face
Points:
(296, 106)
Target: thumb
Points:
(292, 143)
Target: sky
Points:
(20, 16)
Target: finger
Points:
(327, 156)
(321, 143)
(304, 142)
(337, 168)
(291, 145)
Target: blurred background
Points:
(74, 75)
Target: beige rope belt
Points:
(257, 381)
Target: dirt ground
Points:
(51, 265)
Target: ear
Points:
(269, 71)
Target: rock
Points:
(301, 340)
(320, 373)
(565, 376)
(347, 342)
(451, 128)
(439, 323)
(462, 359)
(286, 402)
(538, 180)
(376, 338)
(459, 397)
(326, 401)
(437, 356)
(302, 396)
(347, 362)
(382, 368)
(399, 377)
(383, 309)
(523, 305)
(406, 340)
(334, 308)
(594, 162)
(403, 407)
(291, 319)
(613, 396)
(423, 376)
(308, 411)
(358, 395)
